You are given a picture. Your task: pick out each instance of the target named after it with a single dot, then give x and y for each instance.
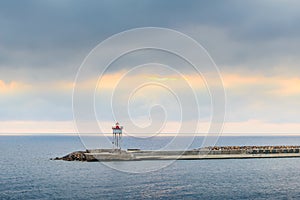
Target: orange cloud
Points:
(12, 86)
(288, 87)
(277, 85)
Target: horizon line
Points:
(158, 135)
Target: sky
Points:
(254, 43)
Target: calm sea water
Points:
(27, 173)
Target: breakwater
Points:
(216, 152)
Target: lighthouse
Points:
(117, 136)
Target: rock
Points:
(74, 156)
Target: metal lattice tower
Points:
(117, 136)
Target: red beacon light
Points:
(117, 126)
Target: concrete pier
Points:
(226, 152)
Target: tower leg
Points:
(120, 141)
(117, 141)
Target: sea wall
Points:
(226, 152)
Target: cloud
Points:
(268, 98)
(25, 101)
(52, 41)
(36, 127)
(272, 85)
(13, 87)
(247, 128)
(261, 128)
(254, 43)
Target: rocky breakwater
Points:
(215, 152)
(91, 155)
(74, 156)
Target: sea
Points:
(26, 172)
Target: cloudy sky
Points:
(255, 44)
